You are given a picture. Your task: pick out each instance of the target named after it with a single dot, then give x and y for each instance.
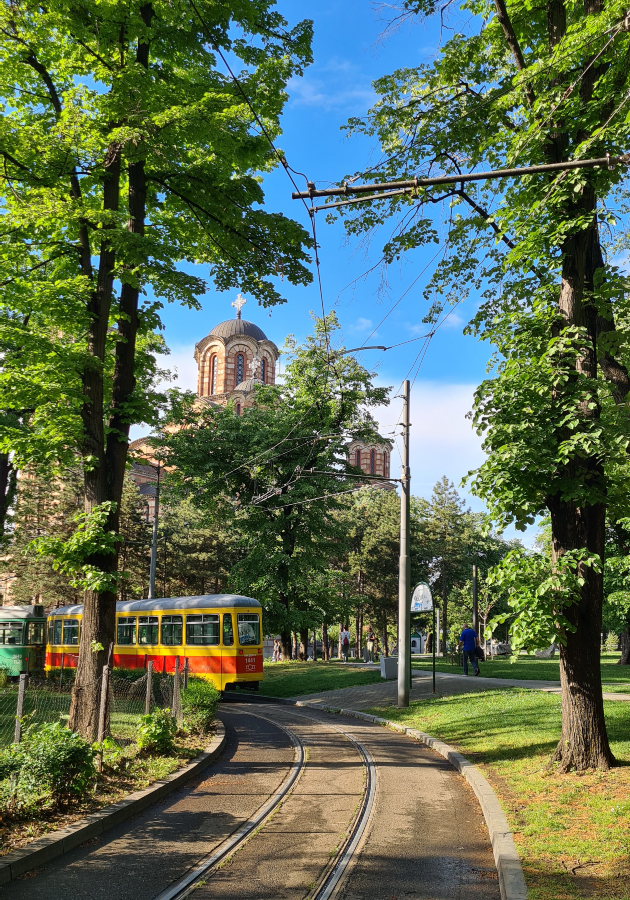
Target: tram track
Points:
(335, 871)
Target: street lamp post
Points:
(154, 540)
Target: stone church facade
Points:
(234, 357)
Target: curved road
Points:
(425, 838)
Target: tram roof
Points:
(205, 601)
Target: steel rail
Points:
(332, 878)
(183, 888)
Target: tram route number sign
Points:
(421, 599)
(250, 663)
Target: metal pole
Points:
(185, 672)
(404, 610)
(63, 659)
(19, 712)
(475, 616)
(434, 643)
(154, 540)
(147, 698)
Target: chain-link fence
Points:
(37, 701)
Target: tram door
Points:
(228, 657)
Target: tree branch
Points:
(513, 44)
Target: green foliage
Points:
(199, 704)
(50, 760)
(539, 595)
(91, 538)
(157, 731)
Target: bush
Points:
(50, 760)
(157, 731)
(611, 643)
(199, 704)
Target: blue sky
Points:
(348, 57)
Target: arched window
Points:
(240, 367)
(386, 464)
(263, 367)
(213, 374)
(358, 462)
(238, 409)
(372, 461)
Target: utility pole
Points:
(404, 571)
(154, 541)
(475, 617)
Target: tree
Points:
(515, 87)
(127, 150)
(280, 463)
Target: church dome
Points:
(248, 385)
(238, 326)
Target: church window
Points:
(240, 367)
(263, 366)
(358, 462)
(238, 409)
(372, 461)
(213, 375)
(386, 465)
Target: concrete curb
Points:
(65, 839)
(511, 878)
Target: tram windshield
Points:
(248, 629)
(11, 632)
(35, 634)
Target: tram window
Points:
(148, 630)
(248, 629)
(54, 632)
(35, 634)
(172, 631)
(202, 629)
(70, 631)
(126, 631)
(228, 630)
(11, 632)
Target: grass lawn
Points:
(288, 679)
(572, 831)
(529, 667)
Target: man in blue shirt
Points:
(469, 641)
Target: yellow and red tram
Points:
(220, 635)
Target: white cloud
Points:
(329, 93)
(360, 325)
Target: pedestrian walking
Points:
(344, 639)
(276, 651)
(469, 640)
(370, 646)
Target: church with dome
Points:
(234, 357)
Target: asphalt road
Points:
(425, 840)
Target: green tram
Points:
(22, 639)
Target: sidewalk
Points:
(385, 693)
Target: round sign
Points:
(421, 599)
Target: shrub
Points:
(199, 704)
(157, 731)
(611, 643)
(51, 760)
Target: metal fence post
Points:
(147, 701)
(19, 712)
(102, 715)
(185, 672)
(177, 699)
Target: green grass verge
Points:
(290, 679)
(528, 667)
(572, 830)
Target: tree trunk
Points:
(624, 638)
(8, 485)
(385, 649)
(444, 609)
(428, 647)
(339, 641)
(325, 643)
(303, 654)
(314, 646)
(358, 642)
(583, 743)
(285, 644)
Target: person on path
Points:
(469, 640)
(344, 640)
(370, 646)
(276, 651)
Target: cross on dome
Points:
(238, 304)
